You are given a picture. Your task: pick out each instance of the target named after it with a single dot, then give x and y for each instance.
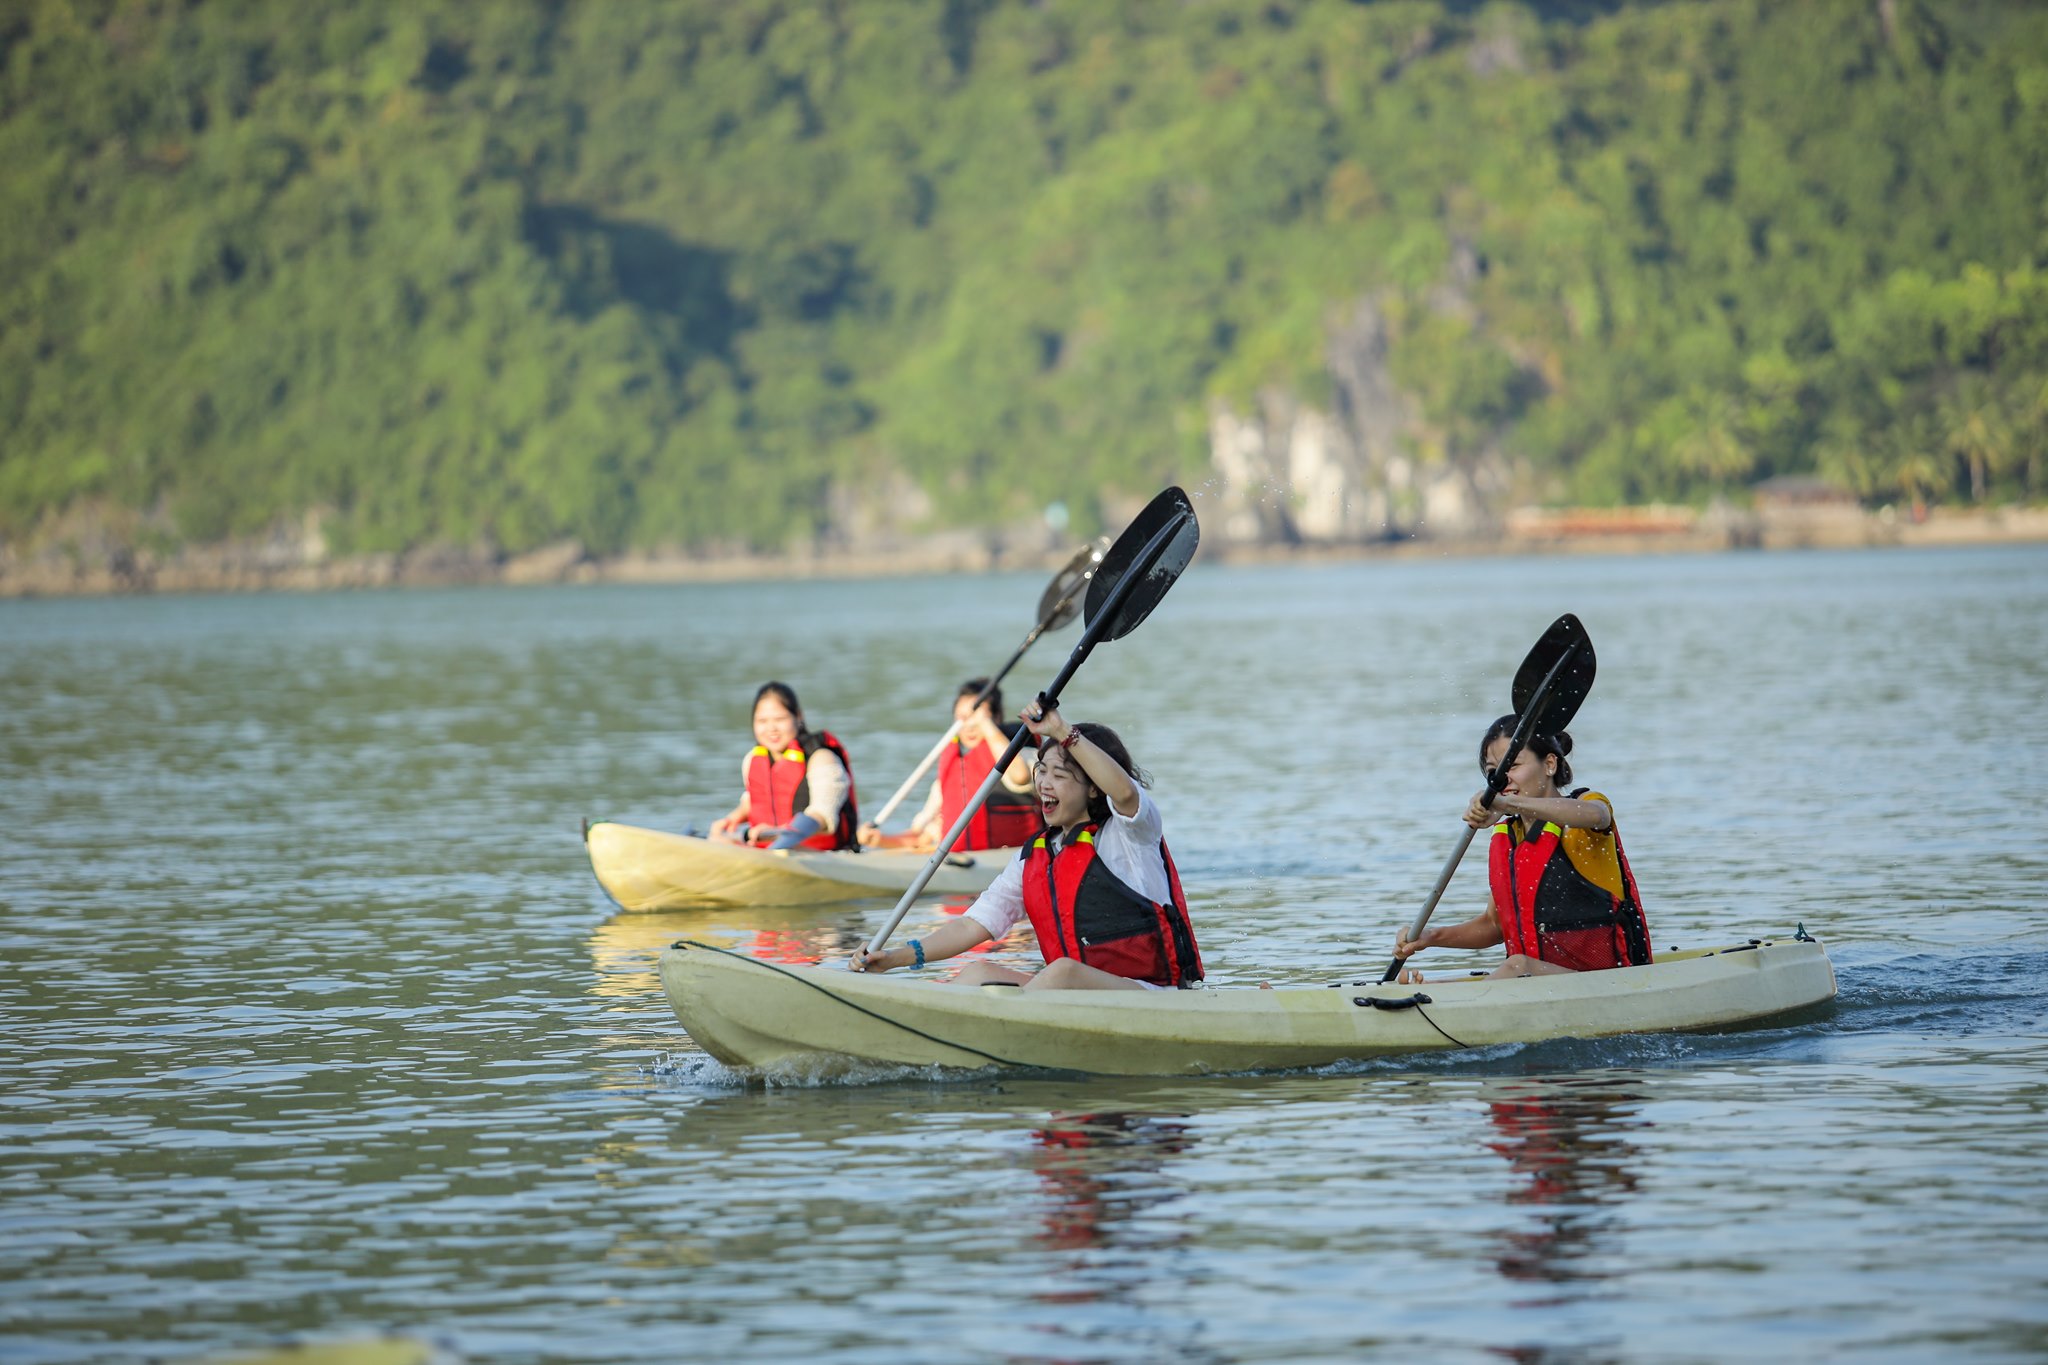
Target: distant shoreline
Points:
(274, 567)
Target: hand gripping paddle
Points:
(1549, 687)
(1134, 575)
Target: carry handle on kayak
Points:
(1134, 574)
(1554, 693)
(1059, 604)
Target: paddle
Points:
(1060, 603)
(1549, 688)
(1136, 572)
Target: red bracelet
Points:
(1072, 735)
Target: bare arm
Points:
(1017, 777)
(925, 824)
(1569, 812)
(728, 827)
(950, 939)
(1481, 931)
(922, 833)
(1109, 778)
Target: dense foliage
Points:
(652, 274)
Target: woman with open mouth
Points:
(1097, 884)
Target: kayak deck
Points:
(650, 869)
(765, 1016)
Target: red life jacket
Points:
(1551, 911)
(1080, 909)
(779, 788)
(1006, 820)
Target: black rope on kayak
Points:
(1380, 1002)
(1438, 1027)
(907, 1028)
(1407, 1002)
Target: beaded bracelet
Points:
(917, 947)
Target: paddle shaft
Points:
(1538, 703)
(953, 730)
(1047, 700)
(889, 806)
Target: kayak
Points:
(648, 869)
(764, 1016)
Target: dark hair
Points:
(1105, 739)
(785, 694)
(1539, 744)
(972, 688)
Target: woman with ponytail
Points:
(1561, 895)
(799, 782)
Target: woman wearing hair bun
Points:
(1561, 895)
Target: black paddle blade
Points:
(1155, 547)
(1062, 600)
(1573, 683)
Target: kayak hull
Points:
(649, 869)
(761, 1016)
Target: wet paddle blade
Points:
(1573, 683)
(1140, 552)
(1062, 600)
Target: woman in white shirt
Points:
(1098, 884)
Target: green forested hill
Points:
(670, 274)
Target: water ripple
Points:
(319, 1025)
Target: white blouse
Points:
(1128, 847)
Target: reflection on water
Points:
(627, 946)
(1099, 1171)
(1103, 1180)
(1567, 1141)
(626, 949)
(316, 1021)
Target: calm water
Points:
(317, 1025)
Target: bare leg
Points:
(987, 973)
(1519, 965)
(1069, 975)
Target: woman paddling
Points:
(1562, 897)
(1097, 883)
(799, 783)
(1008, 819)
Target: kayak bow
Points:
(647, 869)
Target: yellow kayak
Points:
(648, 869)
(816, 1020)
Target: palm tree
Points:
(1976, 431)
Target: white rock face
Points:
(1237, 450)
(1320, 483)
(1292, 474)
